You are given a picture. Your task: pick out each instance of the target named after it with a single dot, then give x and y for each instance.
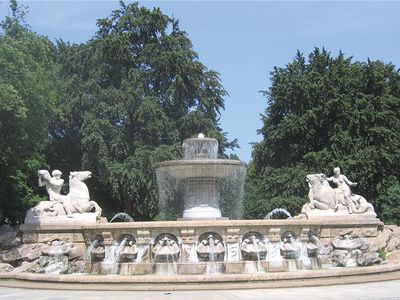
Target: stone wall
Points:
(62, 248)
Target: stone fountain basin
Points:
(290, 253)
(312, 250)
(128, 255)
(189, 233)
(202, 282)
(166, 253)
(205, 253)
(98, 254)
(216, 168)
(249, 253)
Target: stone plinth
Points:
(340, 214)
(78, 218)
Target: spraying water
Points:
(142, 250)
(211, 268)
(200, 185)
(121, 217)
(166, 252)
(278, 211)
(89, 251)
(110, 263)
(117, 254)
(57, 257)
(254, 240)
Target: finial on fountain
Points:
(200, 136)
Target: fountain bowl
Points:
(200, 168)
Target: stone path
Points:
(388, 290)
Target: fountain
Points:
(96, 250)
(198, 183)
(252, 247)
(316, 252)
(253, 252)
(290, 251)
(208, 243)
(127, 250)
(166, 253)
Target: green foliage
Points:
(382, 253)
(14, 26)
(130, 97)
(326, 112)
(389, 189)
(27, 99)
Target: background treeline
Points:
(325, 112)
(115, 105)
(125, 100)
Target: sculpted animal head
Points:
(315, 179)
(80, 175)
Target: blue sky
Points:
(244, 40)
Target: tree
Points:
(326, 112)
(131, 95)
(27, 98)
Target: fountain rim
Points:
(302, 278)
(214, 162)
(200, 139)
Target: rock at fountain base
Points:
(5, 268)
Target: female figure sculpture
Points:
(342, 191)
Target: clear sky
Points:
(244, 40)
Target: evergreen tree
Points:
(326, 112)
(27, 103)
(132, 94)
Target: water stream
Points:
(117, 254)
(211, 265)
(255, 245)
(89, 251)
(58, 261)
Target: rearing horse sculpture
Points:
(77, 200)
(78, 196)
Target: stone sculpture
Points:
(210, 249)
(128, 251)
(53, 186)
(75, 207)
(290, 247)
(253, 249)
(339, 200)
(166, 249)
(343, 194)
(98, 252)
(350, 250)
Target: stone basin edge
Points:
(327, 222)
(383, 272)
